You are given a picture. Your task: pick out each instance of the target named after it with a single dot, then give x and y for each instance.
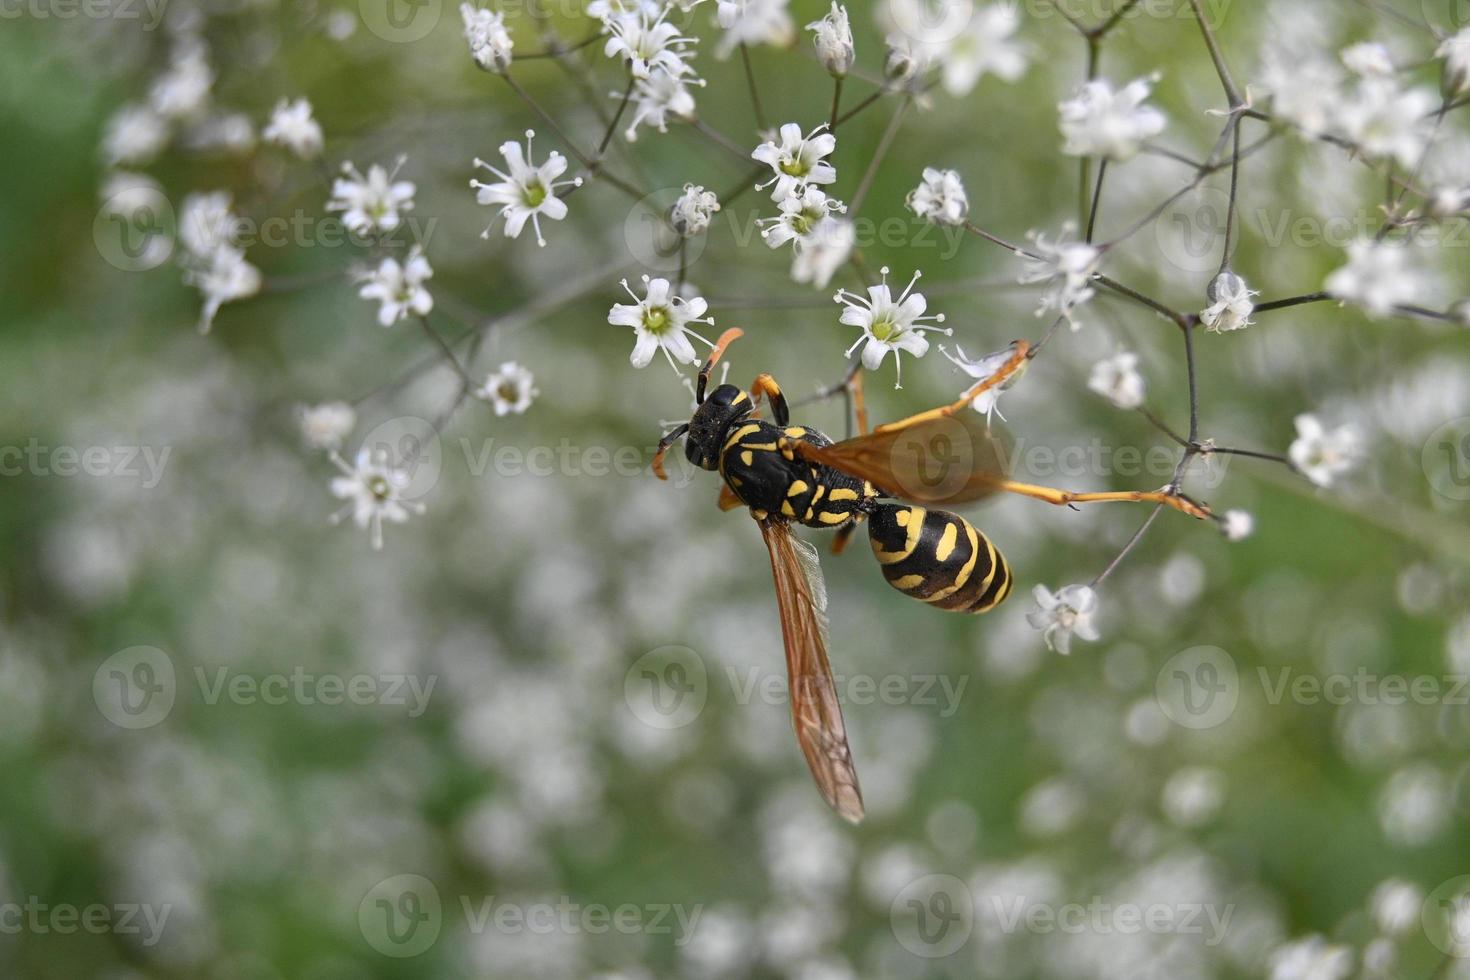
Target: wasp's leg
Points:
(1063, 498)
(766, 385)
(1000, 377)
(728, 500)
(859, 403)
(844, 534)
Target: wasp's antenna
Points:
(726, 339)
(663, 447)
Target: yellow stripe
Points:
(740, 433)
(947, 541)
(831, 517)
(786, 508)
(747, 457)
(842, 493)
(797, 488)
(907, 582)
(911, 518)
(795, 431)
(964, 574)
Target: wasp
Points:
(891, 478)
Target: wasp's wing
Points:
(935, 457)
(816, 714)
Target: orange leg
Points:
(766, 385)
(859, 404)
(1000, 377)
(728, 500)
(1063, 498)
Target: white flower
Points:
(1067, 268)
(528, 191)
(1386, 121)
(888, 324)
(753, 22)
(399, 287)
(293, 127)
(374, 489)
(605, 10)
(1456, 54)
(1117, 379)
(223, 276)
(1230, 303)
(801, 214)
(982, 368)
(986, 45)
(1396, 904)
(693, 211)
(183, 90)
(1305, 90)
(1321, 456)
(1059, 615)
(135, 134)
(490, 43)
(657, 98)
(660, 320)
(228, 132)
(1368, 59)
(1379, 276)
(371, 203)
(1099, 121)
(834, 40)
(510, 389)
(939, 198)
(647, 42)
(1311, 958)
(797, 159)
(820, 254)
(206, 223)
(1237, 525)
(324, 426)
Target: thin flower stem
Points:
(883, 146)
(593, 166)
(874, 97)
(558, 50)
(445, 349)
(836, 103)
(617, 118)
(755, 95)
(1128, 548)
(1188, 328)
(1281, 304)
(1230, 209)
(1102, 29)
(1163, 427)
(1102, 171)
(719, 139)
(1217, 56)
(1178, 318)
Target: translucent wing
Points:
(816, 714)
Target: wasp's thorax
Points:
(725, 406)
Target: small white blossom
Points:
(1230, 303)
(1387, 122)
(1322, 456)
(940, 198)
(1058, 615)
(1311, 958)
(986, 46)
(1193, 795)
(490, 43)
(1368, 59)
(293, 127)
(1379, 276)
(1067, 267)
(801, 214)
(606, 10)
(373, 488)
(399, 287)
(820, 254)
(660, 320)
(693, 211)
(1396, 904)
(1117, 379)
(510, 389)
(797, 159)
(657, 98)
(527, 191)
(647, 42)
(183, 91)
(135, 134)
(1237, 525)
(324, 426)
(223, 276)
(987, 366)
(206, 223)
(1305, 91)
(371, 203)
(834, 40)
(753, 22)
(1455, 51)
(888, 324)
(1099, 121)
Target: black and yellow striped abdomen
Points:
(938, 558)
(757, 462)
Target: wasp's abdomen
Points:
(938, 557)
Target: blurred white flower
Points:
(1058, 615)
(528, 191)
(227, 132)
(657, 98)
(1369, 59)
(134, 135)
(693, 211)
(510, 389)
(1387, 122)
(1230, 303)
(986, 366)
(371, 203)
(888, 324)
(1414, 807)
(605, 10)
(834, 40)
(820, 254)
(324, 426)
(752, 22)
(293, 127)
(660, 320)
(1395, 904)
(1379, 276)
(939, 198)
(1066, 267)
(490, 43)
(647, 42)
(1117, 379)
(223, 276)
(1099, 121)
(373, 489)
(207, 223)
(1237, 525)
(1305, 90)
(1455, 51)
(801, 214)
(183, 90)
(1311, 958)
(1051, 808)
(1322, 456)
(399, 287)
(986, 45)
(1193, 795)
(797, 159)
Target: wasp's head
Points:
(724, 407)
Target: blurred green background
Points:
(534, 604)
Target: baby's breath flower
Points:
(1230, 303)
(510, 389)
(1379, 276)
(371, 203)
(939, 198)
(1455, 51)
(490, 43)
(657, 98)
(801, 215)
(1117, 379)
(324, 426)
(797, 159)
(207, 223)
(752, 22)
(605, 10)
(1067, 267)
(986, 366)
(1058, 615)
(1311, 958)
(1237, 525)
(693, 211)
(1099, 121)
(293, 127)
(1322, 456)
(182, 91)
(399, 287)
(373, 488)
(888, 324)
(820, 254)
(986, 46)
(135, 135)
(527, 191)
(660, 321)
(647, 43)
(1395, 904)
(834, 40)
(1386, 121)
(1368, 59)
(223, 276)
